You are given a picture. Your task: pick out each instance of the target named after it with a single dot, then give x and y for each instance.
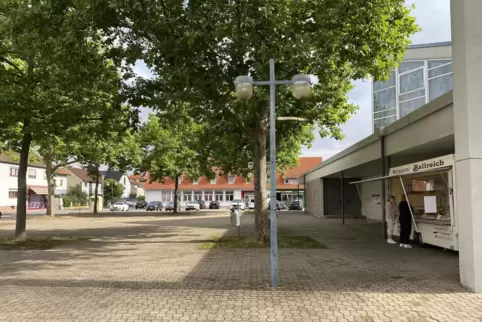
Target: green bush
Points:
(66, 201)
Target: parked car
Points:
(202, 204)
(141, 204)
(169, 206)
(119, 206)
(295, 205)
(237, 202)
(214, 205)
(192, 205)
(131, 202)
(154, 206)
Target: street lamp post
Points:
(301, 86)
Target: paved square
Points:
(150, 269)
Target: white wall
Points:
(156, 195)
(237, 194)
(153, 195)
(61, 183)
(314, 197)
(428, 53)
(124, 180)
(87, 190)
(8, 182)
(367, 190)
(137, 190)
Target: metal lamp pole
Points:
(244, 90)
(272, 173)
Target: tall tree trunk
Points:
(176, 188)
(96, 192)
(21, 223)
(50, 187)
(260, 178)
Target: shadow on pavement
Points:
(356, 259)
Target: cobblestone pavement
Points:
(150, 269)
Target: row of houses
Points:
(225, 189)
(64, 179)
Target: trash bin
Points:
(235, 216)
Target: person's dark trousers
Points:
(405, 229)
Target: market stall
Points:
(428, 187)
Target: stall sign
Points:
(432, 164)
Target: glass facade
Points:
(410, 86)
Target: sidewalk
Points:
(151, 269)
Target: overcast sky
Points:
(433, 16)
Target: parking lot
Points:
(140, 267)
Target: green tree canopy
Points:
(113, 190)
(197, 48)
(54, 75)
(172, 147)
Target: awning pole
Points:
(409, 206)
(342, 200)
(361, 200)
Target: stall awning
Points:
(402, 175)
(39, 190)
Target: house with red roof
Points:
(228, 188)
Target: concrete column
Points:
(467, 82)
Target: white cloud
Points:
(433, 16)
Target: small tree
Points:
(113, 190)
(77, 196)
(172, 149)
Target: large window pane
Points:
(379, 85)
(412, 95)
(405, 67)
(440, 71)
(385, 113)
(384, 100)
(435, 63)
(410, 106)
(439, 86)
(411, 81)
(384, 122)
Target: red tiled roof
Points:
(204, 183)
(304, 164)
(63, 171)
(135, 177)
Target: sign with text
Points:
(422, 166)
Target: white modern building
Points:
(432, 153)
(425, 74)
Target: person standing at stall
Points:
(405, 223)
(391, 208)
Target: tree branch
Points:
(9, 62)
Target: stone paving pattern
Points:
(148, 268)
